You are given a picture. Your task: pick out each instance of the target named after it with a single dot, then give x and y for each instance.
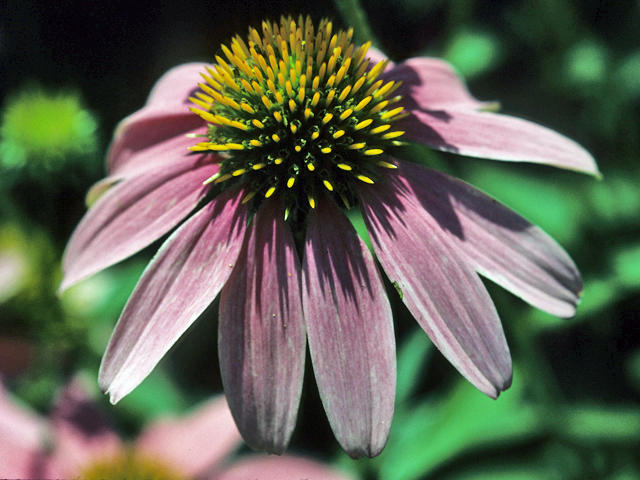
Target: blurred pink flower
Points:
(296, 127)
(75, 441)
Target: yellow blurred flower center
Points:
(129, 467)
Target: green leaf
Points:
(627, 76)
(412, 358)
(355, 217)
(597, 424)
(510, 472)
(154, 396)
(598, 294)
(616, 199)
(436, 431)
(627, 266)
(553, 205)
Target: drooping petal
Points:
(82, 434)
(180, 282)
(432, 84)
(350, 332)
(442, 292)
(133, 214)
(288, 467)
(153, 158)
(261, 334)
(156, 156)
(495, 136)
(165, 115)
(192, 445)
(499, 243)
(130, 156)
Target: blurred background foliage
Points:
(71, 69)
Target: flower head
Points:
(294, 127)
(307, 121)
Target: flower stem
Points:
(354, 16)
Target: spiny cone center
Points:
(295, 111)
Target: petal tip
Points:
(114, 397)
(69, 279)
(500, 384)
(586, 164)
(370, 450)
(265, 444)
(508, 380)
(64, 286)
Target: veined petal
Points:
(495, 136)
(133, 214)
(350, 331)
(187, 444)
(432, 84)
(498, 242)
(155, 156)
(179, 283)
(261, 337)
(442, 292)
(147, 128)
(166, 114)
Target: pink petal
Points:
(176, 85)
(22, 426)
(22, 441)
(262, 338)
(162, 154)
(192, 445)
(442, 292)
(499, 243)
(152, 143)
(287, 467)
(98, 189)
(350, 331)
(432, 84)
(155, 157)
(133, 214)
(166, 114)
(82, 435)
(495, 136)
(376, 56)
(181, 281)
(18, 462)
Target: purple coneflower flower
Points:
(291, 128)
